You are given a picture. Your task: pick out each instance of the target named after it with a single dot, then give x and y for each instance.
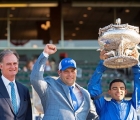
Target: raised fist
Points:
(103, 55)
(50, 49)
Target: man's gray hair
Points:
(6, 52)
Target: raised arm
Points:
(36, 76)
(136, 93)
(94, 85)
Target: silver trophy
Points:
(120, 41)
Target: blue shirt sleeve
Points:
(136, 93)
(94, 86)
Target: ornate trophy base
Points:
(118, 62)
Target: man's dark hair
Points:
(116, 80)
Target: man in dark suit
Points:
(15, 101)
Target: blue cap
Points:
(67, 63)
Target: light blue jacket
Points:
(111, 110)
(55, 97)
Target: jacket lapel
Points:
(66, 92)
(4, 93)
(21, 95)
(83, 95)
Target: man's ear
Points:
(58, 72)
(0, 65)
(126, 91)
(109, 92)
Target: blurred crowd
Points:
(50, 65)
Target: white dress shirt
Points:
(78, 95)
(8, 87)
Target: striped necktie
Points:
(73, 98)
(13, 97)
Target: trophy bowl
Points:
(120, 62)
(120, 41)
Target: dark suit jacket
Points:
(6, 110)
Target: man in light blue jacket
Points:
(62, 99)
(117, 108)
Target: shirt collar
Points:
(117, 101)
(73, 86)
(6, 81)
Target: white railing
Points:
(67, 44)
